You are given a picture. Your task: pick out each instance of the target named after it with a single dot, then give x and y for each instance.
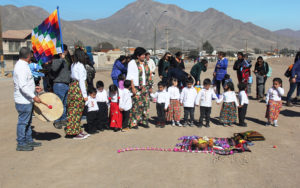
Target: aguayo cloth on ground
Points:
(47, 39)
(240, 142)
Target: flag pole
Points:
(61, 39)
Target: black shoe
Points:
(70, 136)
(24, 148)
(200, 124)
(207, 125)
(135, 127)
(146, 126)
(58, 125)
(34, 144)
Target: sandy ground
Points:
(94, 162)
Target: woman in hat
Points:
(141, 81)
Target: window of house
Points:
(14, 46)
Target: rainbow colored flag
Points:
(47, 38)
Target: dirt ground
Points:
(94, 162)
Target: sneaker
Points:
(268, 124)
(57, 125)
(200, 124)
(125, 130)
(135, 127)
(185, 124)
(178, 124)
(80, 137)
(84, 135)
(289, 104)
(24, 148)
(207, 125)
(173, 123)
(275, 123)
(34, 144)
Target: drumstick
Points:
(49, 106)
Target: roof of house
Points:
(16, 34)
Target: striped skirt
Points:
(174, 111)
(228, 113)
(273, 110)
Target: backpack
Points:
(288, 72)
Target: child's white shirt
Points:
(243, 98)
(174, 93)
(205, 97)
(188, 97)
(274, 94)
(92, 105)
(102, 96)
(228, 96)
(162, 97)
(115, 98)
(125, 100)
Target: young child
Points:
(162, 103)
(115, 114)
(226, 80)
(174, 112)
(205, 97)
(274, 102)
(126, 105)
(121, 79)
(187, 99)
(228, 111)
(92, 111)
(102, 101)
(243, 99)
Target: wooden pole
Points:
(1, 45)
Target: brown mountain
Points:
(288, 33)
(131, 23)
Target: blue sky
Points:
(270, 14)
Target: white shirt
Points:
(206, 97)
(274, 94)
(102, 96)
(23, 83)
(174, 93)
(91, 103)
(125, 100)
(188, 97)
(151, 65)
(243, 98)
(162, 97)
(78, 73)
(228, 96)
(133, 73)
(115, 98)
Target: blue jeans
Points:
(24, 123)
(61, 90)
(293, 86)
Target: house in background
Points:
(13, 40)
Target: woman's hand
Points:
(293, 80)
(85, 99)
(133, 91)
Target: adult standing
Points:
(178, 62)
(77, 95)
(197, 69)
(141, 82)
(237, 66)
(24, 96)
(163, 66)
(294, 80)
(261, 70)
(220, 71)
(151, 64)
(118, 69)
(61, 68)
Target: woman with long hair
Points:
(163, 65)
(294, 80)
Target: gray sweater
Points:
(61, 71)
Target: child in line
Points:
(205, 97)
(226, 80)
(228, 111)
(115, 114)
(92, 114)
(187, 99)
(274, 102)
(243, 101)
(126, 105)
(102, 102)
(174, 112)
(162, 103)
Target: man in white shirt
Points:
(24, 96)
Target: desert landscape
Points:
(94, 162)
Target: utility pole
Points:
(127, 48)
(167, 35)
(1, 45)
(182, 45)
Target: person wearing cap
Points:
(141, 81)
(24, 96)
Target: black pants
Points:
(218, 85)
(161, 114)
(205, 113)
(242, 114)
(189, 111)
(125, 122)
(103, 116)
(92, 121)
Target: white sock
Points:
(275, 122)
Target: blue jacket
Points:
(35, 67)
(222, 69)
(118, 68)
(296, 71)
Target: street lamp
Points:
(155, 26)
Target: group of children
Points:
(169, 101)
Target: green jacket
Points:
(196, 70)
